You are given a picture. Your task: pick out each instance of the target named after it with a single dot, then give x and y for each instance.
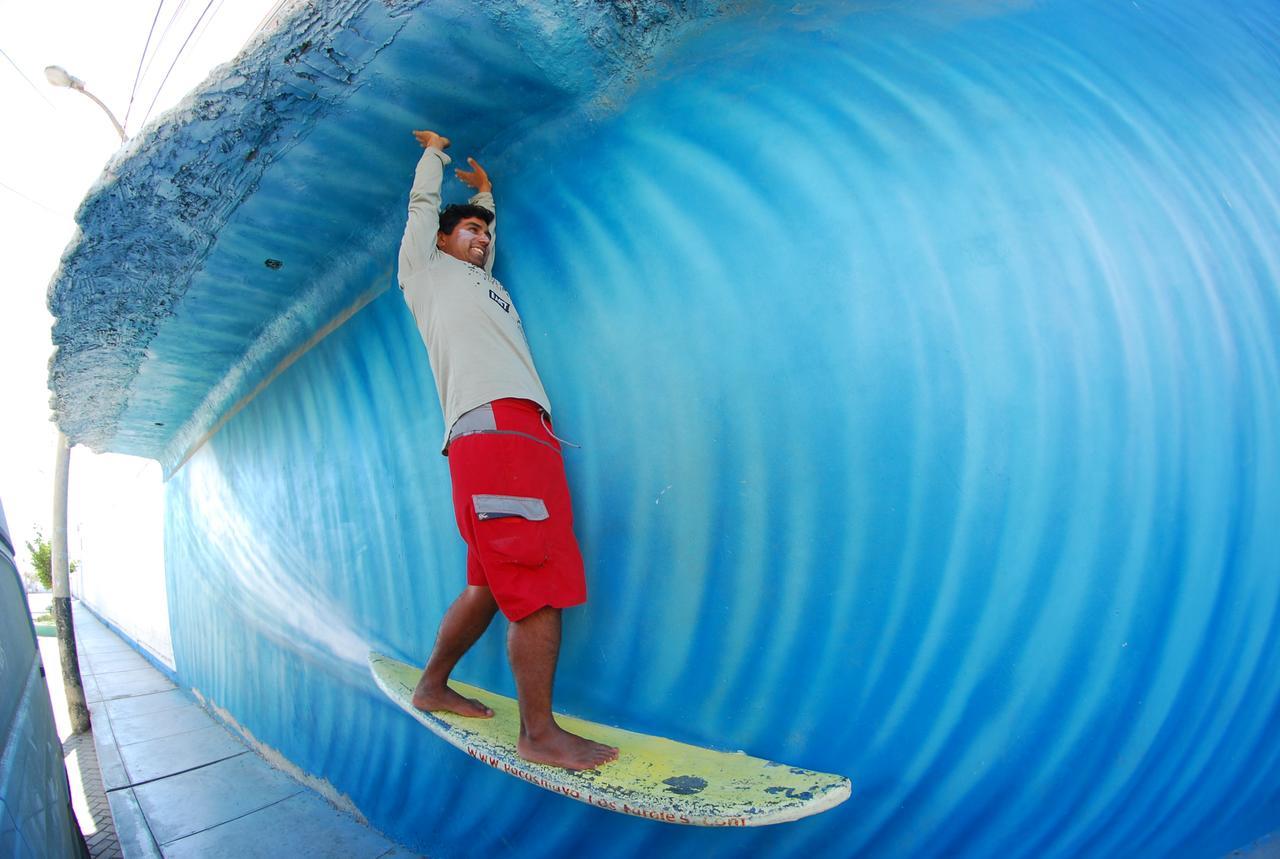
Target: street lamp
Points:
(77, 707)
(58, 76)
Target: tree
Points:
(42, 559)
(30, 581)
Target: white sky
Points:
(54, 147)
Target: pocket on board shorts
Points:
(511, 528)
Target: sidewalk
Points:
(180, 784)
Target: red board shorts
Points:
(512, 503)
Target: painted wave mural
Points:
(923, 359)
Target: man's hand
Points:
(430, 138)
(475, 177)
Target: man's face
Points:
(468, 242)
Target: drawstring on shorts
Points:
(546, 425)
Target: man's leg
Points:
(533, 646)
(463, 624)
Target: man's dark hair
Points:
(455, 213)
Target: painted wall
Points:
(923, 359)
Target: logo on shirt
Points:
(505, 305)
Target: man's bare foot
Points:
(559, 748)
(432, 698)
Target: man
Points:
(509, 490)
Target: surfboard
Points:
(653, 777)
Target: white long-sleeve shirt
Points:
(467, 320)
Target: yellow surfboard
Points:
(653, 777)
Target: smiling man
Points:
(510, 496)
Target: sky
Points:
(56, 144)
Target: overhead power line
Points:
(205, 27)
(275, 10)
(13, 190)
(25, 78)
(176, 57)
(168, 25)
(138, 74)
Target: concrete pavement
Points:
(179, 783)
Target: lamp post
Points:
(58, 76)
(77, 708)
(76, 702)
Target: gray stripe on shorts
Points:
(516, 433)
(479, 419)
(502, 506)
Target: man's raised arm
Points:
(424, 205)
(483, 197)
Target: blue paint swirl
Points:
(924, 362)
